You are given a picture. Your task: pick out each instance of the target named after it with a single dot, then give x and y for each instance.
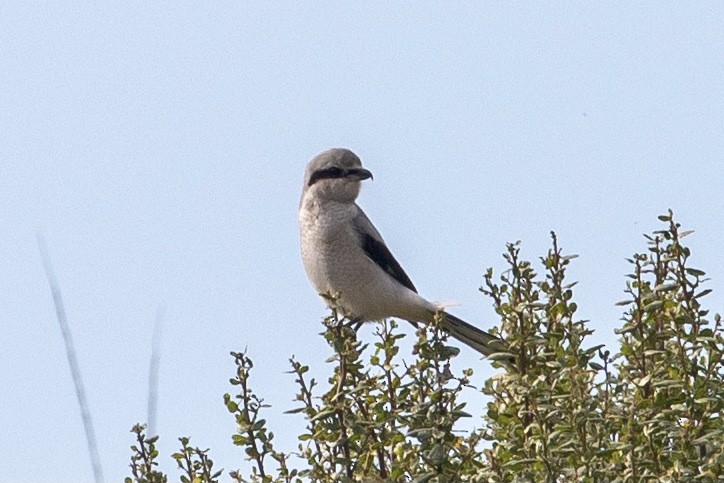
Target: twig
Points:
(72, 361)
(153, 370)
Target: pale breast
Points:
(328, 245)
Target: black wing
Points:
(381, 255)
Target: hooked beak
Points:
(359, 174)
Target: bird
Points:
(349, 263)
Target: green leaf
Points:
(642, 381)
(295, 411)
(655, 305)
(462, 414)
(653, 352)
(258, 425)
(666, 287)
(323, 414)
(424, 478)
(421, 433)
(501, 356)
(436, 454)
(522, 461)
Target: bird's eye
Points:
(334, 172)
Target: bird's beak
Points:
(360, 174)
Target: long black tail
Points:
(478, 339)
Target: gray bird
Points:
(344, 254)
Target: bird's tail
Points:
(479, 340)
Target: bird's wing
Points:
(375, 248)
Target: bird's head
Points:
(335, 175)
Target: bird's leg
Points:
(356, 323)
(335, 315)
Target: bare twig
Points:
(153, 370)
(72, 361)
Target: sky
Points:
(159, 147)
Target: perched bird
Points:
(344, 254)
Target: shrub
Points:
(563, 412)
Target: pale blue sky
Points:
(160, 148)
